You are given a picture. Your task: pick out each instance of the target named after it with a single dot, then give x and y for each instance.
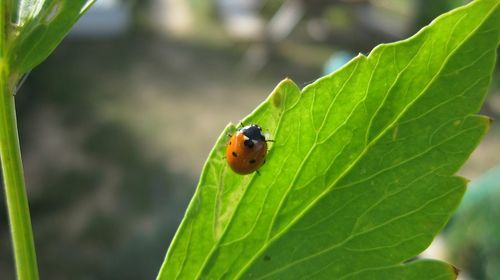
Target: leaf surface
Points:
(360, 178)
(40, 25)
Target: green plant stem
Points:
(13, 175)
(15, 191)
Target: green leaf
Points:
(40, 27)
(360, 178)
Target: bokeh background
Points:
(116, 124)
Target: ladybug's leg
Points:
(257, 171)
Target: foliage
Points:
(29, 31)
(37, 27)
(360, 178)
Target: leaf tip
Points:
(490, 120)
(360, 56)
(487, 121)
(288, 82)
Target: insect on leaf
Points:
(361, 176)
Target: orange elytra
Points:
(246, 150)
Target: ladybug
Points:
(246, 150)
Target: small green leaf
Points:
(360, 178)
(40, 27)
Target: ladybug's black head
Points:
(253, 132)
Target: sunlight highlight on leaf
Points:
(42, 25)
(27, 9)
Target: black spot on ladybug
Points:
(248, 143)
(234, 154)
(252, 161)
(267, 258)
(230, 143)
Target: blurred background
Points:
(116, 124)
